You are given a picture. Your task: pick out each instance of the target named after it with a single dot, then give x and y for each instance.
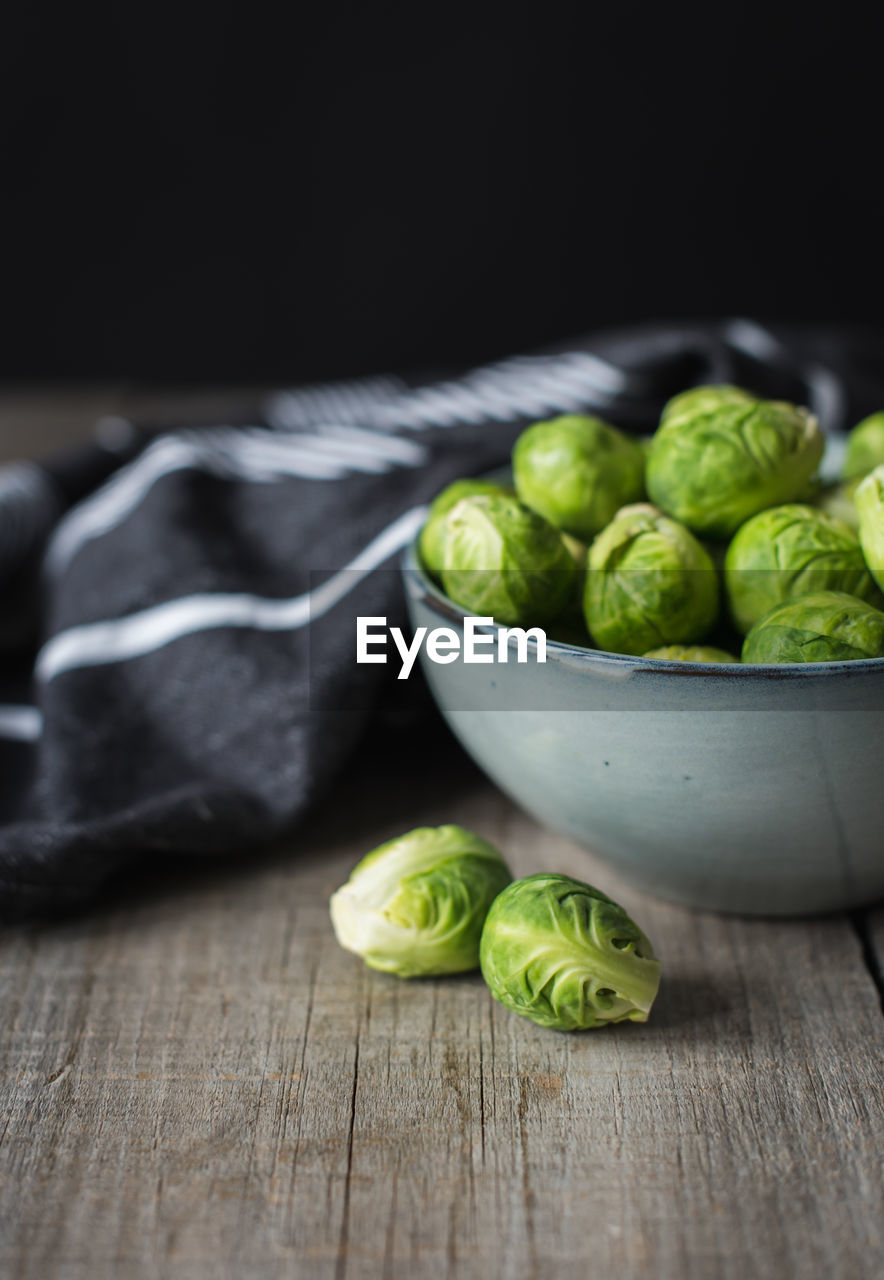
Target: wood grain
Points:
(198, 1081)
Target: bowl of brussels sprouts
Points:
(709, 717)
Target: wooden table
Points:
(198, 1082)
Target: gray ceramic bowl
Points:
(749, 789)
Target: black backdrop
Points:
(215, 197)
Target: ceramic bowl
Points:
(750, 789)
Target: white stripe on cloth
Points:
(519, 387)
(20, 723)
(526, 386)
(344, 401)
(118, 639)
(353, 448)
(255, 454)
(522, 387)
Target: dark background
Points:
(217, 198)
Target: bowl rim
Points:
(578, 655)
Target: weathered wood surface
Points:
(196, 1081)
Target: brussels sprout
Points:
(577, 471)
(559, 952)
(691, 653)
(432, 539)
(790, 551)
(415, 906)
(826, 626)
(869, 500)
(649, 582)
(837, 500)
(503, 560)
(688, 404)
(713, 466)
(865, 447)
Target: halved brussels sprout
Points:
(649, 582)
(416, 905)
(432, 538)
(503, 560)
(561, 953)
(865, 447)
(826, 626)
(577, 471)
(869, 500)
(791, 551)
(691, 653)
(712, 464)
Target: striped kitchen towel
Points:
(178, 610)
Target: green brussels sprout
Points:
(837, 500)
(691, 653)
(577, 471)
(712, 466)
(865, 447)
(869, 499)
(790, 551)
(826, 626)
(431, 543)
(699, 400)
(415, 906)
(649, 582)
(564, 955)
(503, 560)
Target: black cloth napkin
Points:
(178, 610)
